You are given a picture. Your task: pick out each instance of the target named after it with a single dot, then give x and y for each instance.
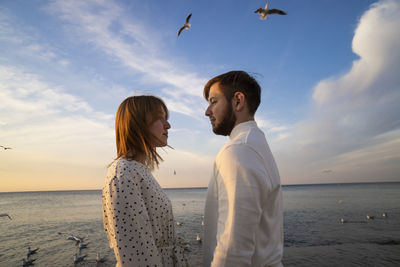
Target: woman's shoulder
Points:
(123, 168)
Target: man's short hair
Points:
(237, 81)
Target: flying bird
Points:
(264, 12)
(31, 252)
(5, 148)
(5, 215)
(78, 258)
(186, 25)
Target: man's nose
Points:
(208, 111)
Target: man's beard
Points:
(227, 123)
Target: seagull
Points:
(187, 248)
(27, 262)
(198, 239)
(370, 217)
(5, 215)
(179, 223)
(5, 148)
(31, 252)
(99, 259)
(264, 12)
(79, 258)
(384, 215)
(186, 25)
(76, 238)
(82, 246)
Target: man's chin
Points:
(219, 131)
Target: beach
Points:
(314, 234)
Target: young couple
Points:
(243, 213)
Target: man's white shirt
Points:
(243, 214)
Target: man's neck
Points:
(243, 119)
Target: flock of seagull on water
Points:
(198, 238)
(77, 257)
(368, 217)
(79, 243)
(263, 12)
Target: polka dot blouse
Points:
(138, 217)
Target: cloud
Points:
(37, 116)
(105, 25)
(350, 111)
(59, 141)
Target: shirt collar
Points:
(242, 127)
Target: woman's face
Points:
(159, 130)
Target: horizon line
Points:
(199, 187)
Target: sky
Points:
(329, 72)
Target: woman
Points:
(137, 213)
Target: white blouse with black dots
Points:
(138, 217)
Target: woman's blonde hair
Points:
(133, 138)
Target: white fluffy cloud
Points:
(105, 25)
(55, 137)
(352, 112)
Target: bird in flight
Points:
(186, 25)
(264, 12)
(31, 252)
(5, 148)
(5, 215)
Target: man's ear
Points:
(238, 101)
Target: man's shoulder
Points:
(250, 138)
(248, 144)
(236, 151)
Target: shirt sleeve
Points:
(127, 222)
(240, 183)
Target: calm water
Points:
(314, 235)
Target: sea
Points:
(313, 232)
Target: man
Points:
(243, 214)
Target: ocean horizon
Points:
(313, 232)
(203, 187)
